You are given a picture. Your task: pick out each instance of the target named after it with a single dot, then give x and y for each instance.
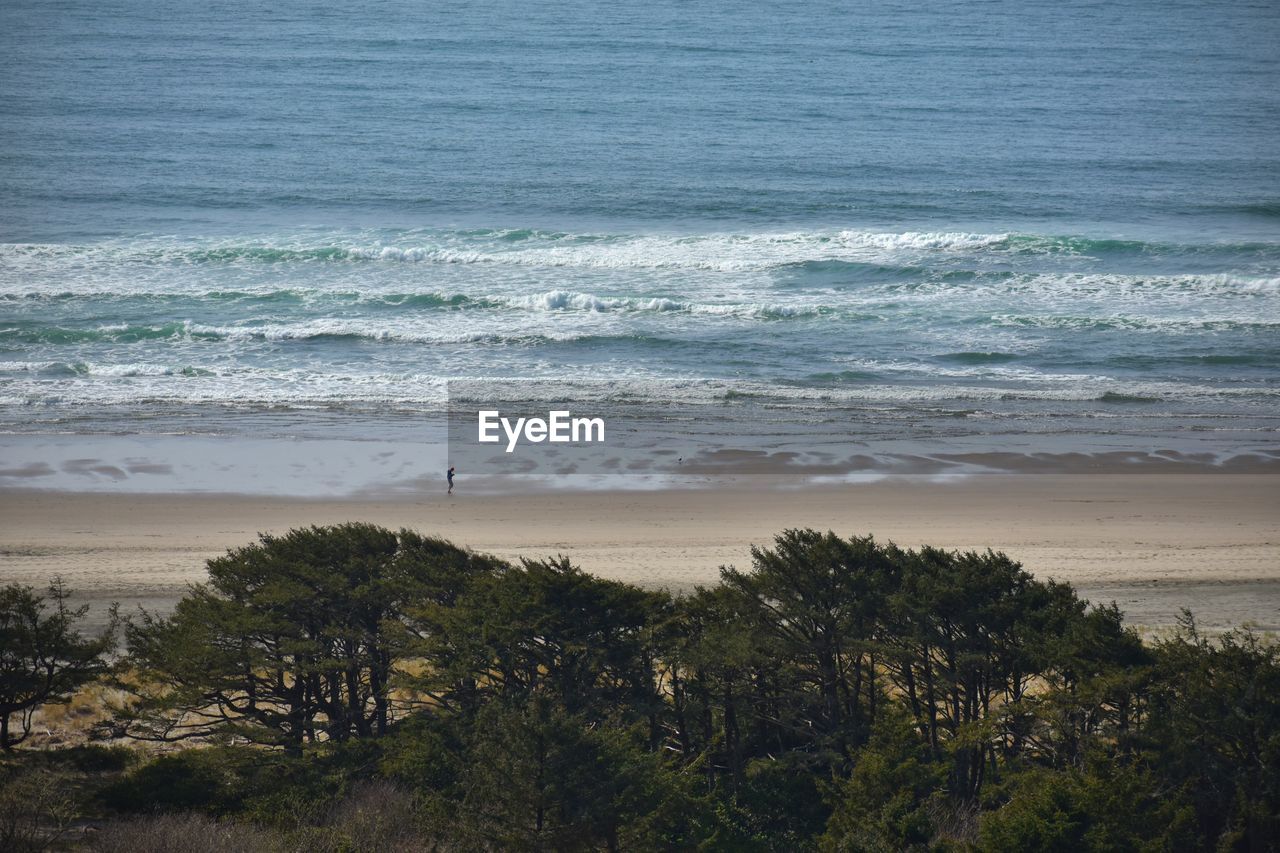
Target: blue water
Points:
(976, 217)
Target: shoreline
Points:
(1153, 542)
(403, 466)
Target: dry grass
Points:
(189, 833)
(373, 816)
(71, 723)
(36, 811)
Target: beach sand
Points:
(1154, 543)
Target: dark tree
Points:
(43, 658)
(720, 691)
(546, 628)
(293, 639)
(1213, 729)
(1094, 682)
(967, 636)
(816, 598)
(539, 778)
(842, 694)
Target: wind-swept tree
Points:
(293, 639)
(816, 598)
(43, 658)
(966, 638)
(1093, 685)
(841, 693)
(719, 685)
(545, 628)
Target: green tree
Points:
(716, 675)
(1108, 806)
(843, 694)
(816, 597)
(1212, 730)
(1093, 687)
(883, 805)
(293, 639)
(546, 628)
(540, 778)
(43, 658)
(966, 636)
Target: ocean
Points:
(906, 230)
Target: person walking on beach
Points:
(450, 476)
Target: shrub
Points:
(36, 810)
(188, 832)
(197, 779)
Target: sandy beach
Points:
(1154, 543)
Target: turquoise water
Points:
(977, 218)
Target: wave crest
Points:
(714, 251)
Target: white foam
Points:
(133, 383)
(28, 366)
(566, 300)
(711, 252)
(1135, 323)
(725, 252)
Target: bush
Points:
(1107, 807)
(424, 754)
(889, 800)
(36, 810)
(374, 815)
(94, 758)
(198, 780)
(189, 833)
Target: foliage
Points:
(293, 639)
(36, 810)
(1212, 729)
(814, 599)
(540, 777)
(43, 659)
(195, 779)
(190, 833)
(544, 628)
(843, 695)
(884, 803)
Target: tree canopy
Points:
(43, 657)
(838, 694)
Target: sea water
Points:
(970, 226)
